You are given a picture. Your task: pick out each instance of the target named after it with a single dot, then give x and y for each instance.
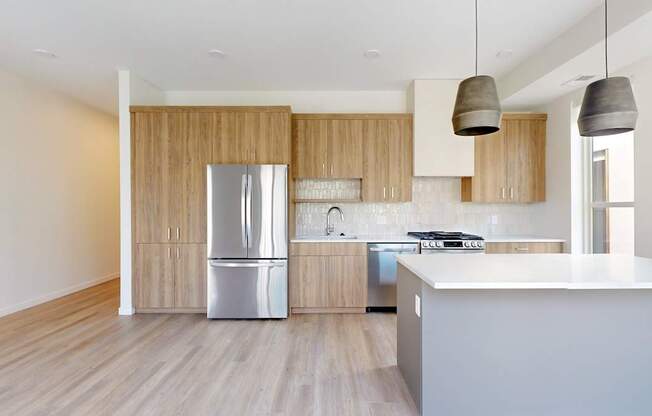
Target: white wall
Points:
(59, 211)
(560, 213)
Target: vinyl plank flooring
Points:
(76, 356)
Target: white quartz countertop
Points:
(359, 239)
(521, 239)
(407, 239)
(532, 271)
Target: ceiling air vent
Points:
(578, 81)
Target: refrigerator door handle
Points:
(248, 220)
(268, 264)
(243, 210)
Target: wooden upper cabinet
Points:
(152, 177)
(327, 146)
(526, 160)
(345, 149)
(510, 164)
(256, 137)
(310, 148)
(387, 160)
(190, 144)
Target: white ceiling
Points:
(270, 44)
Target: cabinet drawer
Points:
(328, 249)
(524, 248)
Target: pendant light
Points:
(477, 108)
(608, 106)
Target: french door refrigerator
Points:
(247, 241)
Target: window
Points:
(612, 193)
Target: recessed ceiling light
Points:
(45, 53)
(505, 54)
(372, 54)
(216, 53)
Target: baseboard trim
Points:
(301, 310)
(56, 294)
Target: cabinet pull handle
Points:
(384, 193)
(511, 192)
(502, 191)
(169, 252)
(178, 233)
(392, 192)
(169, 233)
(331, 169)
(178, 253)
(522, 249)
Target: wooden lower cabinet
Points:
(324, 282)
(524, 248)
(170, 277)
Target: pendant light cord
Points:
(606, 34)
(476, 38)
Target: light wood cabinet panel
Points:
(272, 140)
(510, 164)
(347, 281)
(345, 149)
(190, 276)
(190, 138)
(400, 157)
(490, 181)
(523, 248)
(328, 249)
(308, 282)
(376, 161)
(310, 147)
(152, 181)
(328, 277)
(154, 276)
(526, 160)
(231, 145)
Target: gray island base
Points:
(495, 337)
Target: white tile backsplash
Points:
(435, 206)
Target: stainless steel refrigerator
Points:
(247, 241)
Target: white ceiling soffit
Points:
(580, 51)
(277, 45)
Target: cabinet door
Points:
(154, 276)
(151, 176)
(233, 143)
(190, 276)
(376, 160)
(526, 170)
(345, 149)
(524, 248)
(400, 160)
(310, 142)
(347, 281)
(271, 138)
(309, 282)
(489, 181)
(191, 135)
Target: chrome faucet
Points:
(330, 228)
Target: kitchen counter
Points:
(359, 239)
(521, 239)
(537, 348)
(534, 271)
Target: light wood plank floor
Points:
(75, 356)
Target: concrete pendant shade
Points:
(608, 108)
(477, 108)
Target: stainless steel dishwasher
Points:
(381, 277)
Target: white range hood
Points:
(437, 150)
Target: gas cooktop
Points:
(443, 235)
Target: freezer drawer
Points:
(247, 289)
(381, 269)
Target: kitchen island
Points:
(551, 334)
